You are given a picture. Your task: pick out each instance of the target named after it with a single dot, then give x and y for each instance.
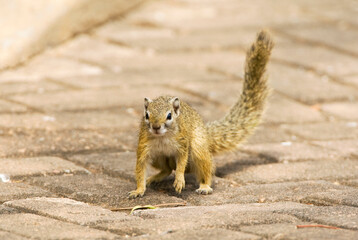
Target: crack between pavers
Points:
(211, 69)
(92, 151)
(273, 160)
(148, 24)
(144, 49)
(103, 67)
(261, 235)
(317, 202)
(92, 109)
(99, 168)
(267, 222)
(326, 115)
(114, 42)
(75, 88)
(198, 95)
(239, 166)
(348, 184)
(39, 213)
(319, 146)
(289, 131)
(61, 154)
(76, 110)
(354, 74)
(314, 43)
(28, 107)
(24, 93)
(23, 178)
(278, 124)
(295, 180)
(270, 159)
(243, 49)
(236, 228)
(62, 84)
(329, 115)
(329, 20)
(122, 146)
(233, 47)
(15, 233)
(307, 219)
(28, 131)
(317, 72)
(264, 236)
(332, 149)
(184, 90)
(306, 103)
(188, 49)
(74, 35)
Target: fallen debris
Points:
(148, 207)
(317, 225)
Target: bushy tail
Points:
(245, 115)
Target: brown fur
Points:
(185, 143)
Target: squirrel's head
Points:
(160, 114)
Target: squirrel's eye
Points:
(169, 116)
(146, 116)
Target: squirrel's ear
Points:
(176, 104)
(146, 102)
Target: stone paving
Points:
(69, 121)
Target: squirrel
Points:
(173, 136)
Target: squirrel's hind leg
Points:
(204, 189)
(162, 164)
(159, 176)
(203, 168)
(205, 183)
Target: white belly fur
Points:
(163, 146)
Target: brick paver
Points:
(21, 167)
(303, 191)
(289, 231)
(210, 234)
(341, 216)
(161, 221)
(11, 191)
(344, 197)
(69, 210)
(35, 226)
(69, 121)
(100, 189)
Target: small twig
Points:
(317, 225)
(157, 206)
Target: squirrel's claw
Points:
(135, 193)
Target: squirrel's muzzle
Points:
(156, 127)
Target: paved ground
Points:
(69, 119)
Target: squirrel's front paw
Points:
(135, 193)
(179, 184)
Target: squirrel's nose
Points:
(156, 126)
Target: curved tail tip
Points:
(265, 37)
